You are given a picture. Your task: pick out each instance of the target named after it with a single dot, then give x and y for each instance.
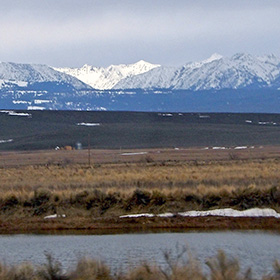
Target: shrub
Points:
(88, 269)
(24, 271)
(210, 200)
(158, 198)
(145, 272)
(141, 197)
(80, 198)
(10, 202)
(41, 196)
(94, 199)
(193, 198)
(138, 198)
(52, 270)
(223, 268)
(149, 159)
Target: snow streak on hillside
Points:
(107, 78)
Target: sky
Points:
(71, 33)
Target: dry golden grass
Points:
(114, 189)
(167, 176)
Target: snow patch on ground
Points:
(42, 101)
(55, 216)
(88, 124)
(13, 113)
(147, 215)
(100, 108)
(7, 82)
(227, 212)
(21, 102)
(20, 114)
(267, 123)
(166, 215)
(138, 215)
(133, 154)
(6, 141)
(36, 108)
(165, 115)
(229, 148)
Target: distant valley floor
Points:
(49, 130)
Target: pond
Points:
(255, 249)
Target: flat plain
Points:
(45, 130)
(93, 195)
(134, 162)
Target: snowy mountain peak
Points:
(107, 78)
(214, 56)
(143, 63)
(86, 66)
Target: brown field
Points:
(63, 157)
(36, 184)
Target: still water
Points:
(255, 249)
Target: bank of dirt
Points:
(122, 225)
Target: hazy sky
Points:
(103, 32)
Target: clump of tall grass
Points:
(90, 269)
(52, 270)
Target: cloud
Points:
(72, 32)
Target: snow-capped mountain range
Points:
(217, 72)
(244, 83)
(107, 78)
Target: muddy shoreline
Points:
(130, 225)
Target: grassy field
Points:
(130, 130)
(139, 162)
(142, 183)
